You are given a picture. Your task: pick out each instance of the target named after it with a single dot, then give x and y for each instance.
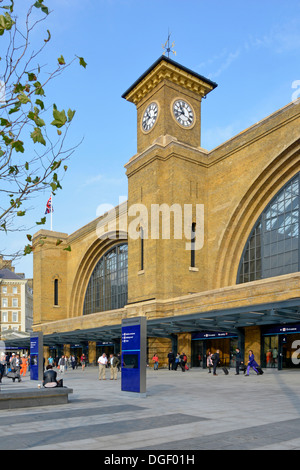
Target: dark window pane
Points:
(107, 282)
(273, 246)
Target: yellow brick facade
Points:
(233, 183)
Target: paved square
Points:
(182, 411)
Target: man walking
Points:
(114, 362)
(102, 361)
(238, 361)
(215, 359)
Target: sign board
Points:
(36, 356)
(282, 329)
(213, 335)
(134, 348)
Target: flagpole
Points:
(51, 211)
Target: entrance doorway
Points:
(281, 347)
(202, 343)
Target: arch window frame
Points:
(107, 288)
(269, 243)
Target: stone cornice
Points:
(173, 73)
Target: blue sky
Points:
(250, 48)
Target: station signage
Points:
(202, 335)
(282, 330)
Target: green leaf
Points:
(61, 60)
(68, 248)
(15, 109)
(37, 136)
(49, 36)
(58, 242)
(71, 115)
(21, 213)
(29, 237)
(42, 7)
(27, 250)
(39, 89)
(18, 146)
(82, 62)
(35, 117)
(31, 76)
(40, 103)
(42, 221)
(23, 98)
(6, 23)
(5, 122)
(60, 118)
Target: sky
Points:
(251, 49)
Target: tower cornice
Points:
(167, 69)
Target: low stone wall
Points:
(32, 398)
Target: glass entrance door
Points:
(270, 352)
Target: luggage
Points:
(14, 376)
(259, 370)
(225, 370)
(186, 367)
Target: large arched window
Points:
(273, 247)
(108, 286)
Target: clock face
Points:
(183, 113)
(149, 117)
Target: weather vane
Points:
(167, 48)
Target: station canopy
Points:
(227, 320)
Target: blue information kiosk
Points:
(36, 356)
(134, 348)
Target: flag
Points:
(49, 207)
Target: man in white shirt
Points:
(102, 361)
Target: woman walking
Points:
(252, 363)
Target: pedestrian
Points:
(177, 361)
(73, 362)
(156, 361)
(15, 365)
(238, 361)
(23, 366)
(83, 361)
(102, 361)
(209, 362)
(50, 361)
(62, 364)
(114, 362)
(182, 361)
(215, 359)
(252, 363)
(171, 359)
(2, 366)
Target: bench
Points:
(27, 398)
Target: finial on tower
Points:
(167, 48)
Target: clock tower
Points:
(168, 100)
(167, 174)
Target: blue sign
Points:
(131, 349)
(34, 358)
(134, 351)
(201, 335)
(282, 330)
